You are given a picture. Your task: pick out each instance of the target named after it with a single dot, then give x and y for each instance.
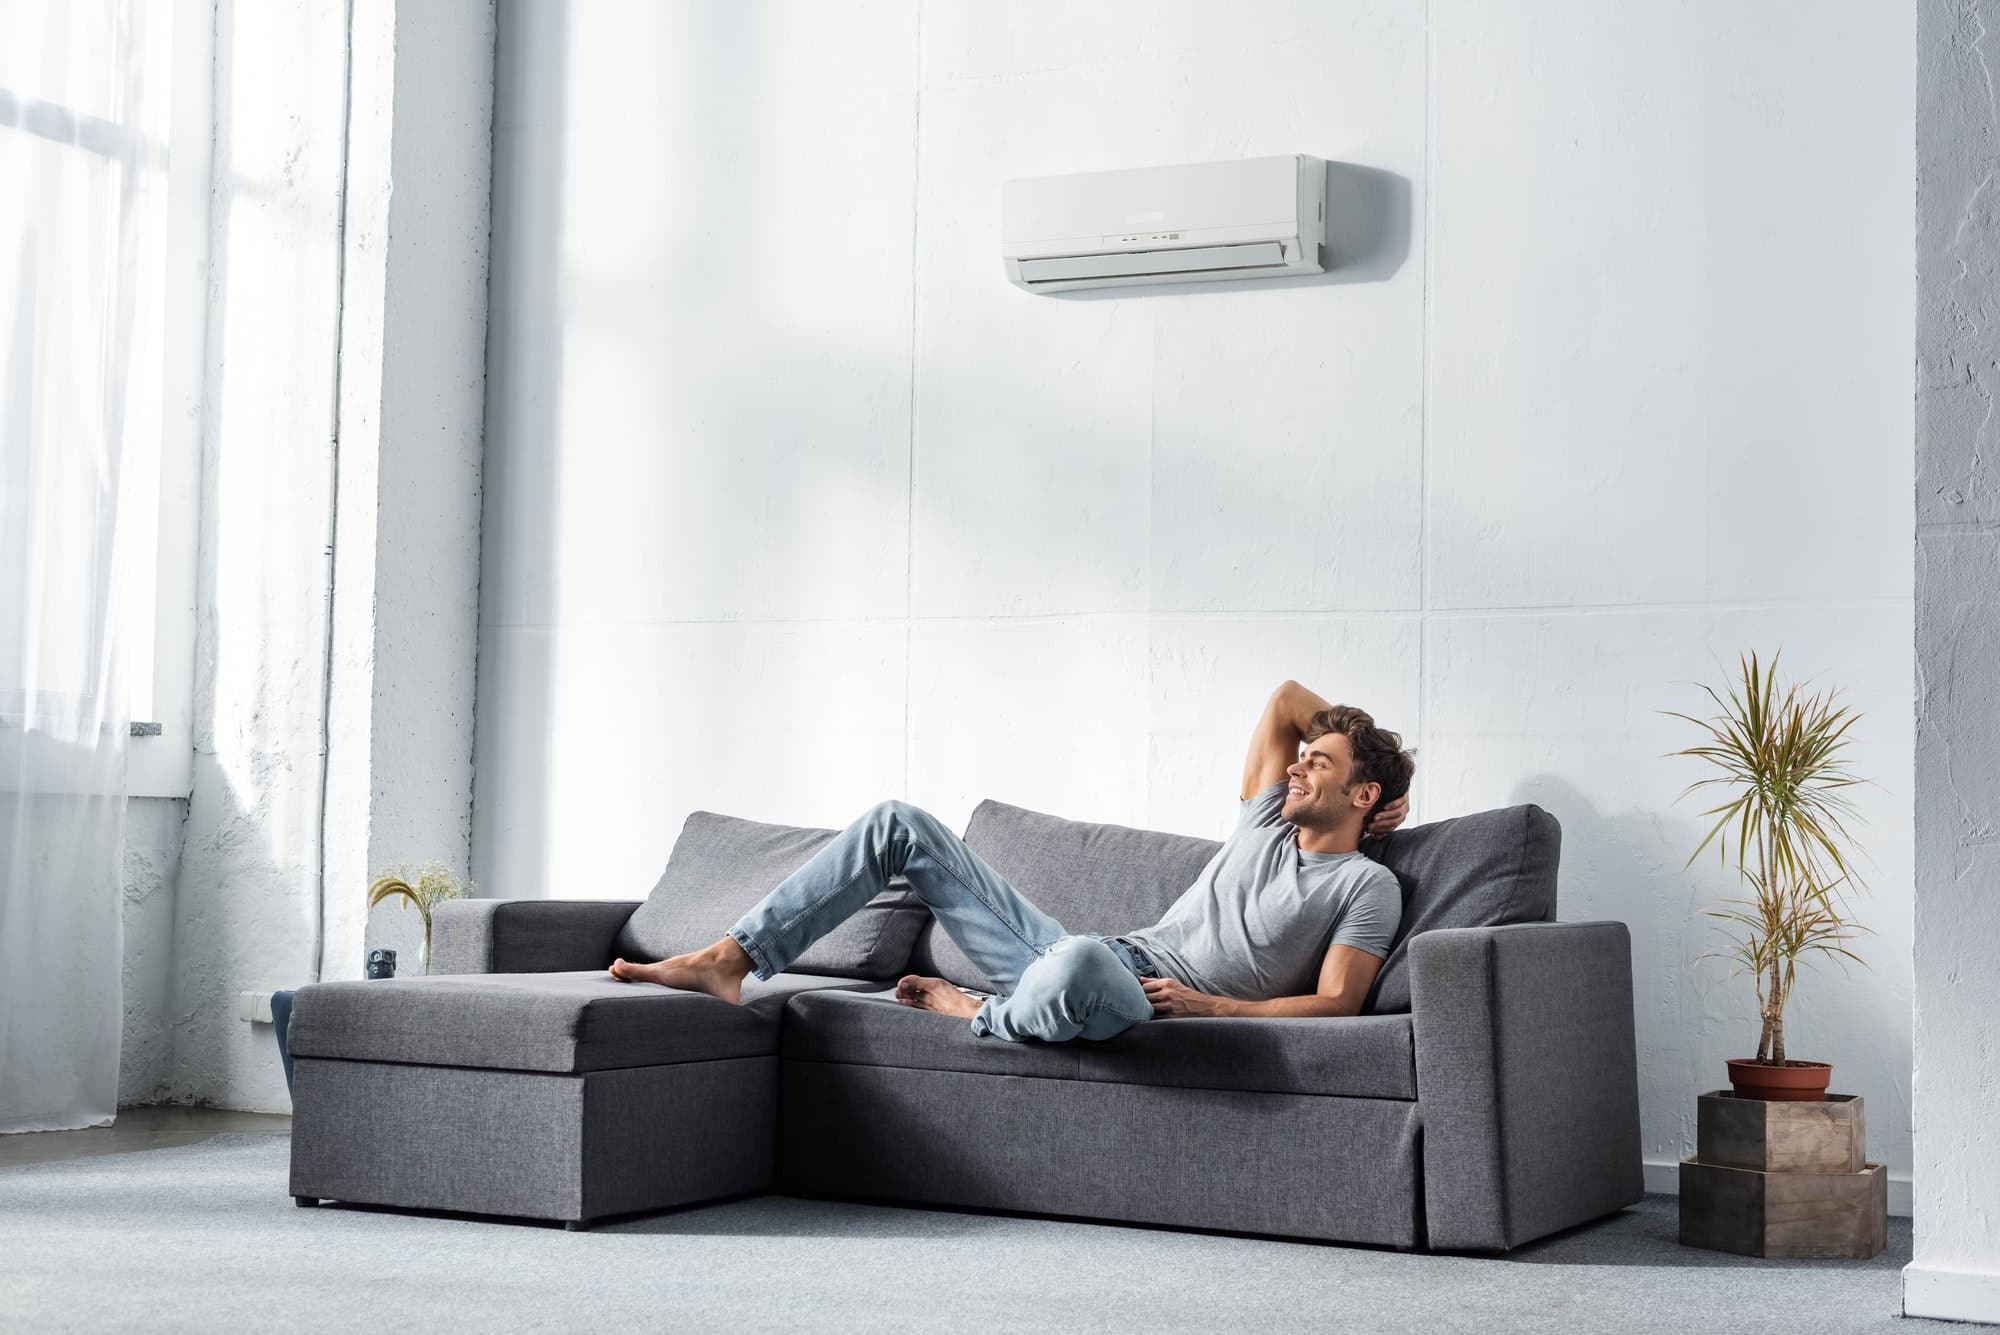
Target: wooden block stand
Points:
(1783, 1179)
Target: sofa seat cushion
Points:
(562, 1022)
(1368, 1056)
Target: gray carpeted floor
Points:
(204, 1237)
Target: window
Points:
(107, 118)
(163, 482)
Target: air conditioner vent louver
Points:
(1177, 265)
(1256, 218)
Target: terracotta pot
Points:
(1794, 1082)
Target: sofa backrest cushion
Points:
(722, 865)
(1089, 878)
(1481, 870)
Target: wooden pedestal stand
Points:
(1783, 1179)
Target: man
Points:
(1288, 918)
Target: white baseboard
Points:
(1664, 1175)
(1951, 1295)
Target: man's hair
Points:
(1379, 756)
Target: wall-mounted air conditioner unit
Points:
(1255, 218)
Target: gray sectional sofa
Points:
(1487, 1097)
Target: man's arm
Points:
(1274, 745)
(1344, 979)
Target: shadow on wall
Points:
(524, 378)
(1627, 866)
(1368, 221)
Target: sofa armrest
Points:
(526, 935)
(1527, 1079)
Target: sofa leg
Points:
(305, 1202)
(575, 1225)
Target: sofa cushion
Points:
(722, 865)
(564, 1022)
(1089, 878)
(1482, 870)
(1368, 1056)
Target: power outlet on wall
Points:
(254, 1007)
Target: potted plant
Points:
(1779, 760)
(434, 884)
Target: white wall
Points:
(344, 356)
(154, 828)
(793, 503)
(245, 899)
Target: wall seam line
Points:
(1313, 614)
(1424, 422)
(910, 472)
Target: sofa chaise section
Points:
(520, 1079)
(565, 1096)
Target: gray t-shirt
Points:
(1257, 922)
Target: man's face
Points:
(1318, 795)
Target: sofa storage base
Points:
(531, 1144)
(1309, 1166)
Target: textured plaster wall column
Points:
(412, 389)
(346, 337)
(1956, 1270)
(243, 904)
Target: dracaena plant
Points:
(1779, 766)
(433, 884)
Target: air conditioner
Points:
(1254, 218)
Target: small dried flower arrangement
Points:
(430, 885)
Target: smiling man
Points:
(1288, 918)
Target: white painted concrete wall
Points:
(245, 899)
(329, 316)
(154, 828)
(412, 394)
(793, 503)
(1955, 1272)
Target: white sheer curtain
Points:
(83, 117)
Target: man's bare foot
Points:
(718, 970)
(935, 994)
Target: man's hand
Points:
(1389, 816)
(1172, 998)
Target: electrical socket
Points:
(254, 1007)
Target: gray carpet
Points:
(204, 1237)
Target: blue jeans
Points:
(1050, 984)
(281, 1021)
